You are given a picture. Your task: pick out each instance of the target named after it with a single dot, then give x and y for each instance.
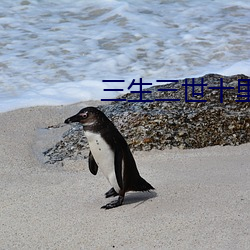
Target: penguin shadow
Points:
(139, 198)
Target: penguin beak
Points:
(74, 118)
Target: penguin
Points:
(110, 152)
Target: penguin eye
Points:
(84, 115)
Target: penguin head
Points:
(88, 117)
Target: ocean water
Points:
(58, 52)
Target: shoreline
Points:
(201, 198)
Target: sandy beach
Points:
(201, 198)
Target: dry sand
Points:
(201, 201)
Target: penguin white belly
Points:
(104, 157)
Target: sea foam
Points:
(56, 53)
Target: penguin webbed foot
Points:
(115, 203)
(111, 193)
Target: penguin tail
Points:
(141, 185)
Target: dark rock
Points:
(167, 124)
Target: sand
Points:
(201, 200)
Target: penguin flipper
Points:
(93, 167)
(118, 166)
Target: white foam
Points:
(58, 52)
(243, 67)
